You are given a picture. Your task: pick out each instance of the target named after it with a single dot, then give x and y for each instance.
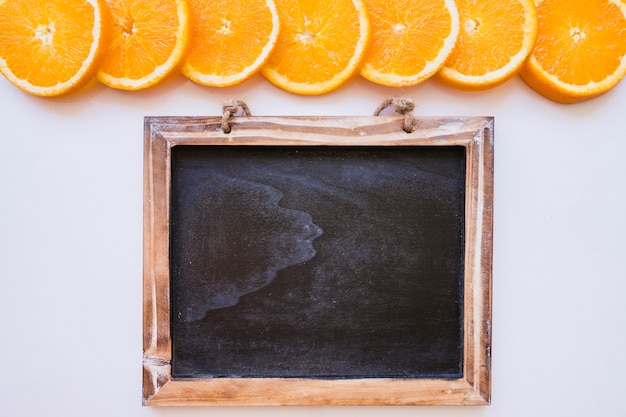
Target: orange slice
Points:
(580, 52)
(496, 37)
(320, 46)
(230, 40)
(410, 40)
(149, 40)
(49, 48)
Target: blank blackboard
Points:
(317, 262)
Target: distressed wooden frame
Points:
(161, 134)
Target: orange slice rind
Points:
(320, 47)
(51, 48)
(495, 39)
(230, 40)
(411, 40)
(580, 52)
(148, 42)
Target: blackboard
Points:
(317, 261)
(324, 262)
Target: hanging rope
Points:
(404, 106)
(231, 108)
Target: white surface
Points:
(71, 245)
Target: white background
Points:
(71, 245)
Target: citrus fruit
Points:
(230, 40)
(50, 48)
(320, 46)
(410, 40)
(580, 52)
(495, 39)
(148, 42)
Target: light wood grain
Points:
(473, 133)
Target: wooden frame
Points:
(475, 134)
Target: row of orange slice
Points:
(567, 50)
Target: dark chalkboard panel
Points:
(326, 262)
(317, 261)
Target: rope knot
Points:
(231, 108)
(403, 106)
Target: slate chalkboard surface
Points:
(324, 262)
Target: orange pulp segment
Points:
(230, 40)
(580, 52)
(148, 42)
(495, 39)
(320, 46)
(410, 40)
(51, 47)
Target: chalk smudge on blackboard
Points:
(246, 237)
